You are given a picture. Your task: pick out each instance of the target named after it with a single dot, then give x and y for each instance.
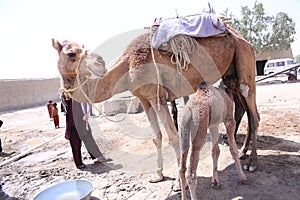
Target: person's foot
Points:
(82, 166)
(102, 159)
(3, 154)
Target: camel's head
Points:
(74, 61)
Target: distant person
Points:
(3, 195)
(49, 107)
(62, 108)
(1, 122)
(88, 109)
(3, 154)
(292, 75)
(77, 130)
(55, 115)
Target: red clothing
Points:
(50, 107)
(55, 117)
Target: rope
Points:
(68, 91)
(181, 47)
(157, 72)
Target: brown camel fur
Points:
(208, 108)
(151, 76)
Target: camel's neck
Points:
(114, 82)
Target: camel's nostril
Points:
(71, 55)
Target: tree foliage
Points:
(264, 32)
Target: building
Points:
(261, 59)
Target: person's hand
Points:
(86, 117)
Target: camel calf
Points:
(209, 107)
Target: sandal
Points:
(82, 166)
(103, 159)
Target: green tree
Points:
(264, 32)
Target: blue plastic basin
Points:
(69, 190)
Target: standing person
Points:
(77, 129)
(3, 195)
(55, 115)
(1, 122)
(49, 107)
(88, 109)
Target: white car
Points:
(276, 65)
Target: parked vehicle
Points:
(276, 65)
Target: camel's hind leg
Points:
(253, 121)
(230, 127)
(245, 68)
(174, 113)
(182, 170)
(240, 108)
(215, 155)
(156, 138)
(191, 175)
(238, 112)
(184, 146)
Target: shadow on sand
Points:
(276, 178)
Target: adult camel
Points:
(151, 75)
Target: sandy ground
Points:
(47, 158)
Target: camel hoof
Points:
(243, 156)
(245, 182)
(176, 187)
(157, 177)
(252, 168)
(215, 186)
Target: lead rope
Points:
(68, 91)
(157, 72)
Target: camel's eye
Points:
(71, 55)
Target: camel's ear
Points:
(56, 45)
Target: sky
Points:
(27, 26)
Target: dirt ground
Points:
(47, 158)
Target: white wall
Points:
(26, 93)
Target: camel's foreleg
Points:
(156, 138)
(163, 113)
(165, 117)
